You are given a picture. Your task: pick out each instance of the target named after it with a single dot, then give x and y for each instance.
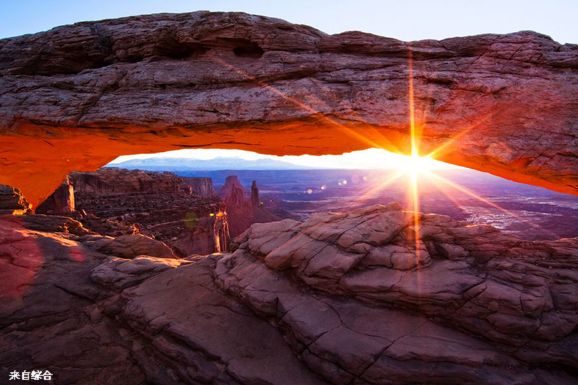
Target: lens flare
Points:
(415, 162)
(415, 166)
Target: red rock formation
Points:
(243, 212)
(172, 209)
(240, 212)
(498, 303)
(121, 181)
(60, 202)
(12, 201)
(78, 96)
(47, 223)
(221, 233)
(128, 246)
(233, 193)
(87, 316)
(202, 187)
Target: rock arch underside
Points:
(76, 97)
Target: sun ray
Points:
(414, 155)
(348, 131)
(373, 189)
(472, 194)
(440, 150)
(416, 167)
(440, 188)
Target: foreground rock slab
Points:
(93, 318)
(362, 300)
(96, 90)
(204, 336)
(341, 298)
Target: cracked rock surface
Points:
(95, 318)
(342, 298)
(362, 299)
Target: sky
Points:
(402, 19)
(368, 159)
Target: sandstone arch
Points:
(75, 97)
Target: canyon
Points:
(78, 96)
(161, 205)
(185, 213)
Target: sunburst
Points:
(415, 166)
(418, 167)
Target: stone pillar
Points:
(255, 199)
(221, 232)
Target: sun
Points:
(416, 164)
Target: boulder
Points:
(119, 273)
(60, 202)
(129, 246)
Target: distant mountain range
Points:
(186, 164)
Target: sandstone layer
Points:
(121, 181)
(342, 298)
(489, 306)
(77, 96)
